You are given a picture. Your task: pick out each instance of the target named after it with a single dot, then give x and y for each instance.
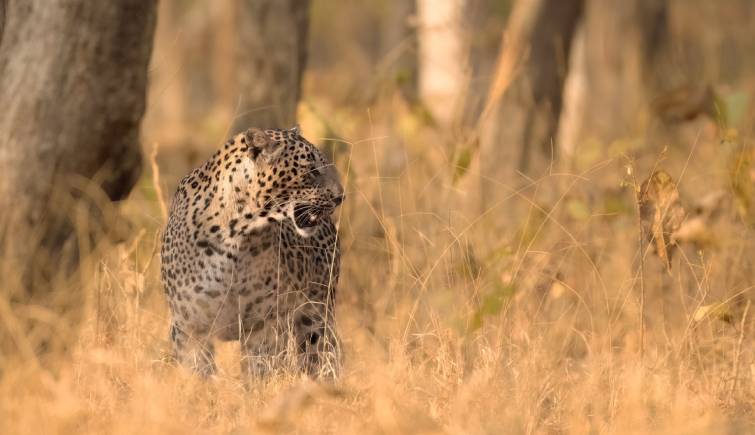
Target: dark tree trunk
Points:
(518, 134)
(73, 76)
(270, 55)
(624, 42)
(2, 18)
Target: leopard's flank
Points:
(250, 253)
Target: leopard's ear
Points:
(296, 129)
(260, 143)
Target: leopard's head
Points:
(293, 179)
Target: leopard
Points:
(250, 253)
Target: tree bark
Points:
(483, 21)
(73, 76)
(270, 55)
(397, 34)
(521, 125)
(623, 43)
(2, 18)
(443, 58)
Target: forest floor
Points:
(540, 312)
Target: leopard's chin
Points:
(305, 232)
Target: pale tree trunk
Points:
(73, 76)
(270, 54)
(443, 58)
(520, 121)
(575, 99)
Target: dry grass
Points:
(524, 318)
(538, 312)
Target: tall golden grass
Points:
(541, 311)
(525, 318)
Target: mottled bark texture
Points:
(519, 133)
(73, 76)
(270, 54)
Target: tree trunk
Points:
(270, 54)
(483, 21)
(73, 76)
(519, 129)
(398, 34)
(443, 58)
(623, 42)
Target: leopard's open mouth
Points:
(308, 215)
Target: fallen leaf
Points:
(661, 213)
(718, 311)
